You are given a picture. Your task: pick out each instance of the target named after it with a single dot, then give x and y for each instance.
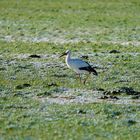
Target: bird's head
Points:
(65, 53)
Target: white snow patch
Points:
(81, 96)
(63, 40)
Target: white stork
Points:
(78, 65)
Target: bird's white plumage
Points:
(75, 64)
(79, 66)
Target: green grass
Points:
(40, 98)
(31, 119)
(97, 20)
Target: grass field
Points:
(40, 98)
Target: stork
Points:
(79, 66)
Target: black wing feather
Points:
(89, 69)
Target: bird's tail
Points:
(94, 72)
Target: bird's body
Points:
(78, 65)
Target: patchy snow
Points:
(71, 96)
(63, 40)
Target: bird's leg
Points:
(86, 78)
(79, 76)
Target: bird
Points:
(78, 65)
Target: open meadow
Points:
(40, 98)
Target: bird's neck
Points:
(68, 57)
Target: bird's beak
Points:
(63, 55)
